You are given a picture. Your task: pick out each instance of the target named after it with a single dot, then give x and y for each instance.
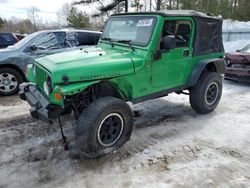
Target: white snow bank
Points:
(235, 25)
(13, 111)
(12, 106)
(232, 46)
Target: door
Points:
(170, 69)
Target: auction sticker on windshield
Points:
(143, 23)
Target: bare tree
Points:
(16, 25)
(137, 5)
(63, 13)
(32, 13)
(158, 4)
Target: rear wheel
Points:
(105, 125)
(206, 94)
(9, 81)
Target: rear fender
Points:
(218, 64)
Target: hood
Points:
(238, 57)
(87, 64)
(7, 53)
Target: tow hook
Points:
(64, 138)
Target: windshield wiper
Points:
(108, 39)
(127, 42)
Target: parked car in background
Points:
(238, 65)
(19, 36)
(7, 39)
(14, 59)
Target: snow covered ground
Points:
(232, 25)
(171, 146)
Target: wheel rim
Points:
(212, 93)
(8, 82)
(110, 129)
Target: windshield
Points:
(246, 49)
(25, 40)
(134, 29)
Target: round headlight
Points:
(34, 69)
(47, 86)
(27, 69)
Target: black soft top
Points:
(167, 13)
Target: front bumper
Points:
(238, 74)
(40, 107)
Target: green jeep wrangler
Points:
(140, 56)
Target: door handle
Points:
(185, 52)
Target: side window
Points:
(47, 41)
(8, 37)
(96, 38)
(84, 38)
(71, 40)
(60, 37)
(2, 40)
(207, 33)
(180, 29)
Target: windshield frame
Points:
(155, 20)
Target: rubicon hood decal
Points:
(87, 64)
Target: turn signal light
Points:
(58, 96)
(27, 72)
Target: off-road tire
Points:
(199, 93)
(91, 122)
(18, 78)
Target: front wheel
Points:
(205, 95)
(9, 81)
(105, 125)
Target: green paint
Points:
(134, 72)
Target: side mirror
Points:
(33, 48)
(237, 50)
(168, 42)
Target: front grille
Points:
(40, 75)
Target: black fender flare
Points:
(217, 62)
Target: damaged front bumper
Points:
(40, 106)
(238, 74)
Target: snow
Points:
(232, 46)
(234, 25)
(171, 146)
(11, 107)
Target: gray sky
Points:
(18, 8)
(48, 8)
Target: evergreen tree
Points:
(235, 9)
(1, 22)
(77, 18)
